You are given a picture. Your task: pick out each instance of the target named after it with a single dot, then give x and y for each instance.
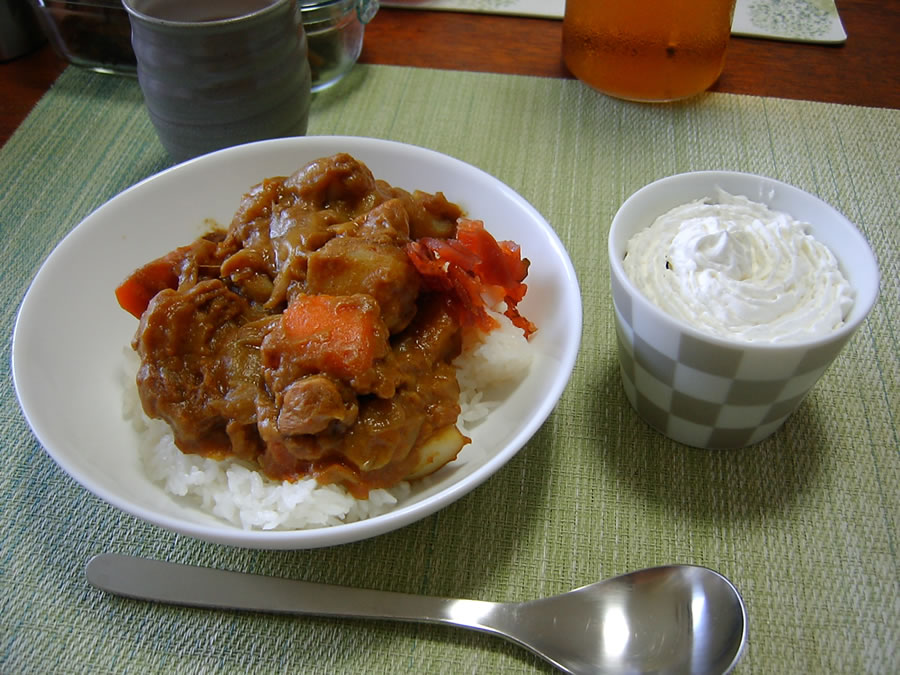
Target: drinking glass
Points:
(647, 50)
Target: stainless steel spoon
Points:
(673, 619)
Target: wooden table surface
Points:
(863, 71)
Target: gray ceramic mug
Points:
(217, 73)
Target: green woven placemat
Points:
(805, 524)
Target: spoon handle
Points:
(173, 583)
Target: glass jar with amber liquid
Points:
(647, 50)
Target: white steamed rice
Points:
(239, 494)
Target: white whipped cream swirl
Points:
(738, 270)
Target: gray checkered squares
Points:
(706, 394)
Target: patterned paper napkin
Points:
(791, 20)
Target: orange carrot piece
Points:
(340, 333)
(136, 292)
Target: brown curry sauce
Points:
(305, 338)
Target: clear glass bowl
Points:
(96, 34)
(334, 32)
(93, 34)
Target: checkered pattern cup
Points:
(710, 392)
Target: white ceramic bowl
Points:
(716, 393)
(68, 385)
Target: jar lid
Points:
(365, 9)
